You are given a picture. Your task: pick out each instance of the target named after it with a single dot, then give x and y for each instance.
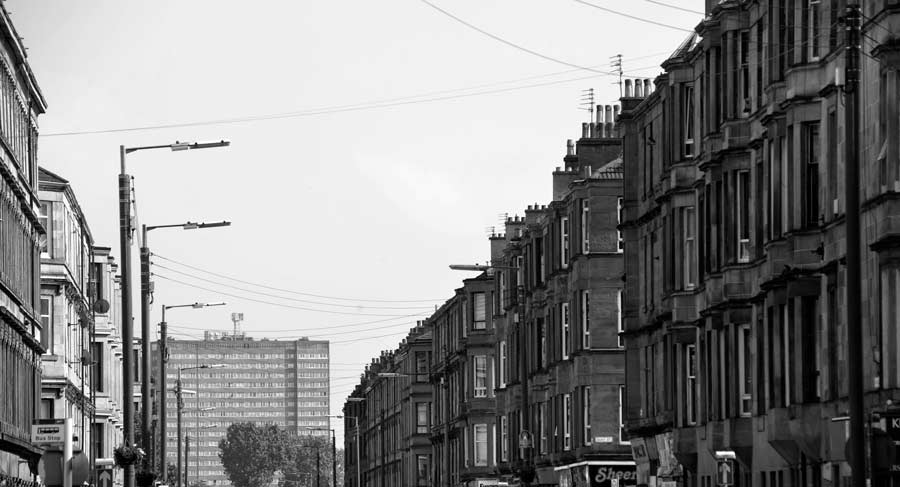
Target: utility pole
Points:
(127, 322)
(163, 353)
(145, 342)
(857, 447)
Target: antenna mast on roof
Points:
(587, 102)
(616, 64)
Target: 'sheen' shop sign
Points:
(612, 475)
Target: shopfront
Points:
(597, 473)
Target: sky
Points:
(372, 143)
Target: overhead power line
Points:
(338, 298)
(512, 44)
(633, 17)
(676, 7)
(282, 305)
(296, 300)
(406, 100)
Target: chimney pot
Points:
(638, 89)
(628, 92)
(570, 148)
(647, 87)
(585, 131)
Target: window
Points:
(688, 110)
(623, 436)
(97, 366)
(46, 409)
(481, 445)
(586, 414)
(620, 324)
(620, 242)
(564, 242)
(690, 365)
(745, 369)
(542, 426)
(811, 175)
(480, 367)
(422, 415)
(503, 364)
(542, 326)
(743, 216)
(567, 421)
(585, 319)
(478, 311)
(564, 329)
(690, 272)
(46, 218)
(585, 227)
(833, 163)
(421, 367)
(813, 26)
(423, 468)
(504, 438)
(47, 323)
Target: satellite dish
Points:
(101, 306)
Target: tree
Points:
(299, 463)
(251, 454)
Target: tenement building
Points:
(734, 243)
(106, 363)
(561, 363)
(66, 308)
(238, 379)
(388, 418)
(21, 337)
(463, 432)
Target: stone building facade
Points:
(734, 235)
(387, 418)
(21, 233)
(66, 308)
(558, 275)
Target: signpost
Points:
(55, 435)
(724, 472)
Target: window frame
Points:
(479, 391)
(585, 319)
(565, 331)
(480, 453)
(564, 242)
(479, 310)
(567, 421)
(623, 440)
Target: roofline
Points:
(22, 58)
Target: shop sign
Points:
(639, 450)
(610, 475)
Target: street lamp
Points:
(125, 229)
(145, 321)
(180, 406)
(163, 358)
(356, 429)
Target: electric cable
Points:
(514, 45)
(161, 276)
(193, 276)
(676, 7)
(634, 17)
(223, 276)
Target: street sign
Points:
(525, 440)
(105, 479)
(48, 431)
(724, 472)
